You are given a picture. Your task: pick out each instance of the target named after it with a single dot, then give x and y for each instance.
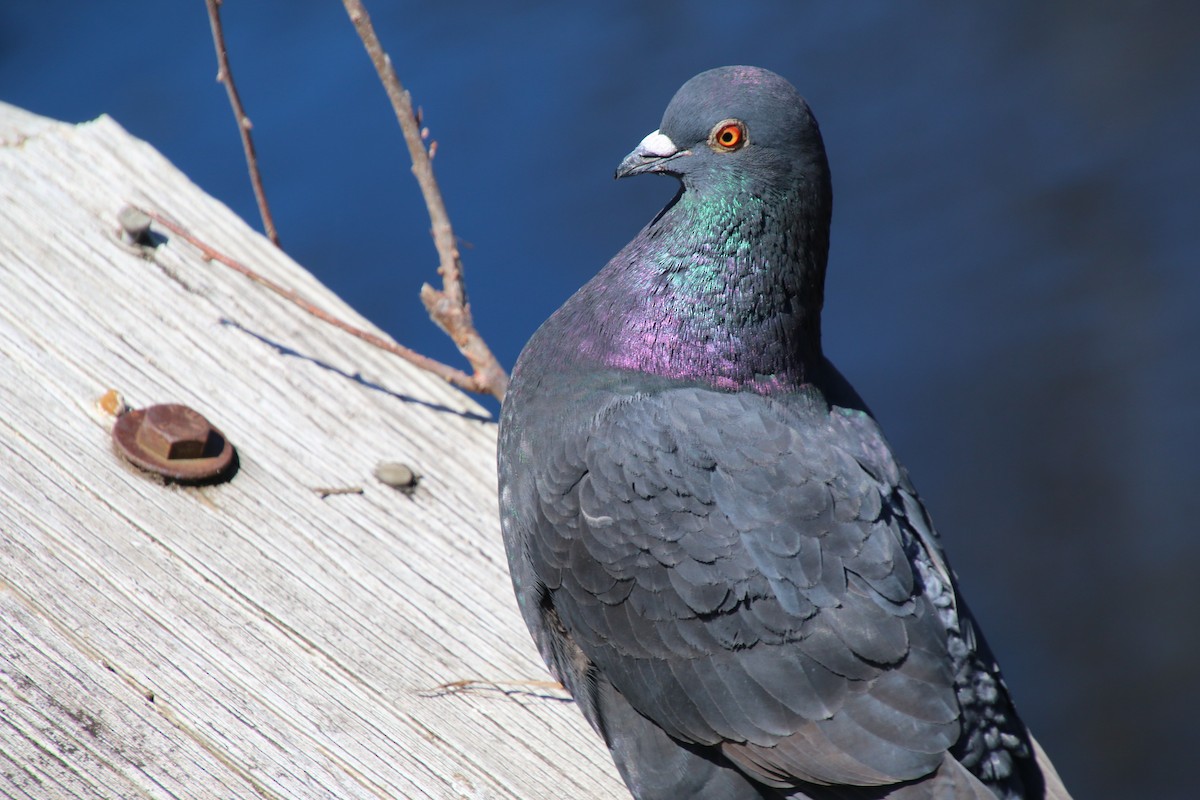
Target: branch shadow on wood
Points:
(284, 350)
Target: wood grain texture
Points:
(251, 639)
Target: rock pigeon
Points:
(712, 543)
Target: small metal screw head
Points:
(173, 440)
(135, 233)
(135, 225)
(399, 476)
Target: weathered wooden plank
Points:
(250, 639)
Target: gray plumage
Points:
(710, 539)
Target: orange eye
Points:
(728, 135)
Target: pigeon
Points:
(712, 543)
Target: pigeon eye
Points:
(728, 135)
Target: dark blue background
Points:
(1013, 282)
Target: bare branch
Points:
(448, 306)
(470, 383)
(225, 76)
(546, 690)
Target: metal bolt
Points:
(173, 440)
(173, 432)
(399, 476)
(135, 225)
(135, 232)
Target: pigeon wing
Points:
(742, 571)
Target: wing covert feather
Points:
(739, 569)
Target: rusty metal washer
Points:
(173, 440)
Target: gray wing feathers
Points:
(743, 578)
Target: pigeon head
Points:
(724, 286)
(736, 125)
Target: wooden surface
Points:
(250, 639)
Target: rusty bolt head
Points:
(174, 441)
(173, 432)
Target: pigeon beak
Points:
(649, 156)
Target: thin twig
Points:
(462, 380)
(225, 76)
(448, 307)
(547, 690)
(326, 491)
